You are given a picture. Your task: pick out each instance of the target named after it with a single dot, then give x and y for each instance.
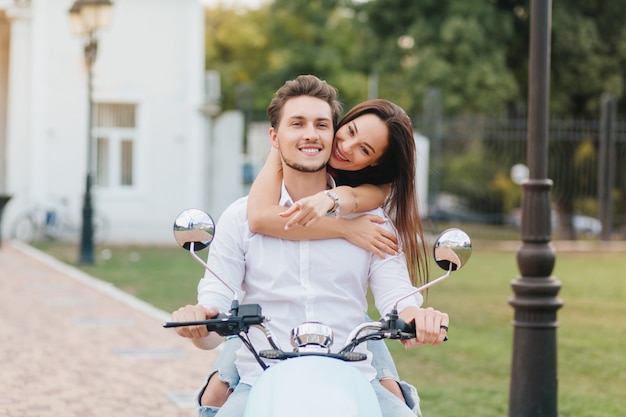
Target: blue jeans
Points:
(381, 361)
(385, 368)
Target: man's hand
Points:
(193, 313)
(431, 326)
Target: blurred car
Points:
(449, 208)
(582, 224)
(586, 224)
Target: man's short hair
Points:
(304, 85)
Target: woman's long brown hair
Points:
(397, 168)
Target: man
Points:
(298, 281)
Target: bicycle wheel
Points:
(25, 229)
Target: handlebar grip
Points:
(408, 329)
(240, 318)
(405, 327)
(222, 325)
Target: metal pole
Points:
(606, 164)
(533, 388)
(4, 199)
(86, 241)
(372, 85)
(432, 128)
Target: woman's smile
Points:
(339, 155)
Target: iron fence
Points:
(470, 174)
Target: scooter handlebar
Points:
(402, 330)
(240, 318)
(405, 330)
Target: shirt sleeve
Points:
(389, 281)
(226, 260)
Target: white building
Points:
(154, 151)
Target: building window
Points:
(102, 162)
(126, 166)
(115, 132)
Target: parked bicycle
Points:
(55, 221)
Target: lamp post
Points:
(533, 389)
(86, 18)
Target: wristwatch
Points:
(334, 211)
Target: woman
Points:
(373, 164)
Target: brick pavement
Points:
(72, 345)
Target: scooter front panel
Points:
(312, 386)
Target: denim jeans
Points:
(385, 368)
(381, 361)
(225, 367)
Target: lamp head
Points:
(88, 16)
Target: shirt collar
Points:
(287, 201)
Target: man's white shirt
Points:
(296, 281)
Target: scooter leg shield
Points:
(312, 386)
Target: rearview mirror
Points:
(196, 227)
(452, 249)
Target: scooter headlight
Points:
(312, 336)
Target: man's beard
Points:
(302, 168)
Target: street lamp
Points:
(533, 388)
(86, 18)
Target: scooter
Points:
(310, 380)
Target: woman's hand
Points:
(431, 326)
(363, 232)
(308, 210)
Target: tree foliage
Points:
(474, 52)
(236, 45)
(263, 48)
(586, 57)
(456, 46)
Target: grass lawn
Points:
(468, 375)
(166, 276)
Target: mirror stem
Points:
(197, 258)
(423, 287)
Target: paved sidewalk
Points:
(72, 345)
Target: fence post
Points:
(4, 199)
(606, 164)
(432, 130)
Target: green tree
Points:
(457, 46)
(316, 37)
(585, 56)
(586, 61)
(474, 51)
(237, 47)
(263, 48)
